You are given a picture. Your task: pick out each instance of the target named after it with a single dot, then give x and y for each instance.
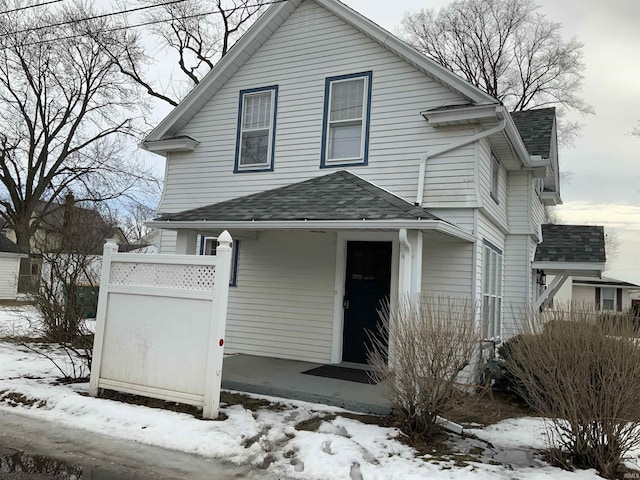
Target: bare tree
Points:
(132, 221)
(636, 131)
(66, 114)
(197, 32)
(506, 48)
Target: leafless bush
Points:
(430, 341)
(581, 369)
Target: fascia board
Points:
(423, 225)
(580, 268)
(467, 113)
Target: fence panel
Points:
(160, 325)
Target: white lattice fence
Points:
(160, 325)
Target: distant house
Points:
(10, 256)
(605, 294)
(64, 228)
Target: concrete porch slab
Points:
(284, 378)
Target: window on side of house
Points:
(208, 246)
(256, 133)
(608, 299)
(345, 130)
(495, 177)
(492, 290)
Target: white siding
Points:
(584, 294)
(311, 45)
(447, 269)
(517, 283)
(461, 217)
(9, 267)
(519, 204)
(497, 211)
(282, 305)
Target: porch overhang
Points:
(583, 269)
(426, 226)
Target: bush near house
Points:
(581, 369)
(429, 342)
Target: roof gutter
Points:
(447, 148)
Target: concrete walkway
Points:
(284, 378)
(107, 457)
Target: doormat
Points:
(341, 373)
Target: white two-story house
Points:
(349, 167)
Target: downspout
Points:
(405, 245)
(447, 148)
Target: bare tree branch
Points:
(508, 50)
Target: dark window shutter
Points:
(597, 298)
(618, 299)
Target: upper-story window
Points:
(256, 129)
(345, 131)
(495, 177)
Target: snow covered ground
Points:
(341, 448)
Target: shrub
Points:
(429, 342)
(581, 370)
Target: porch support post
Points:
(410, 275)
(186, 242)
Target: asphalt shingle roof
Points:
(535, 128)
(337, 196)
(7, 246)
(571, 243)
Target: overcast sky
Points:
(604, 186)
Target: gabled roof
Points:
(7, 246)
(337, 196)
(536, 129)
(571, 244)
(265, 26)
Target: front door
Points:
(367, 283)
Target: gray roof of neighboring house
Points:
(338, 196)
(606, 281)
(7, 246)
(536, 128)
(571, 243)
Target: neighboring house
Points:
(605, 294)
(349, 167)
(64, 228)
(10, 255)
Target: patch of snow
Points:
(341, 448)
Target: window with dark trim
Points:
(256, 134)
(346, 122)
(492, 289)
(208, 246)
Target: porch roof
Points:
(338, 196)
(577, 249)
(338, 201)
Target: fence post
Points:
(217, 327)
(107, 252)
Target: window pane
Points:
(345, 141)
(608, 304)
(255, 147)
(347, 100)
(498, 278)
(498, 316)
(257, 111)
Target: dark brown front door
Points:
(367, 284)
